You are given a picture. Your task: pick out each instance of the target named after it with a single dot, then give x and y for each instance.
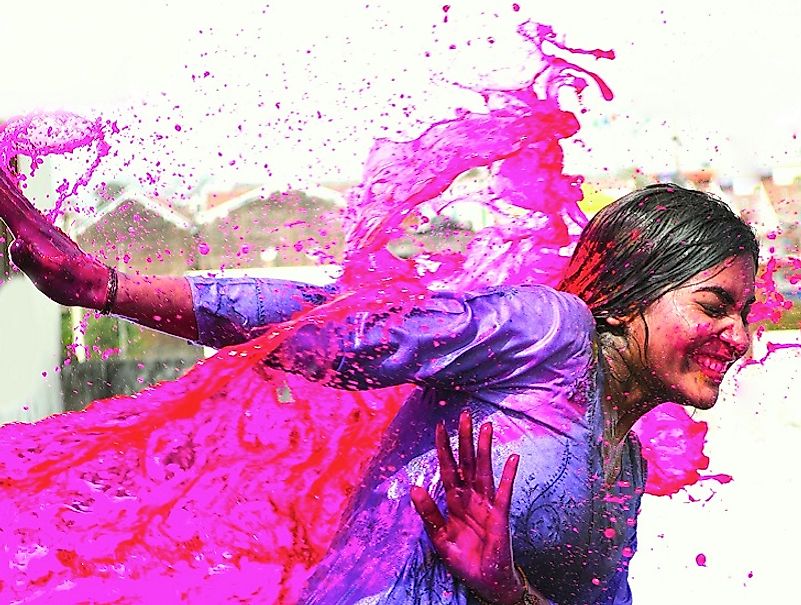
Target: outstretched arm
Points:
(69, 276)
(502, 339)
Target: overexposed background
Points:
(713, 83)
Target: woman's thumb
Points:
(21, 254)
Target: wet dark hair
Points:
(648, 243)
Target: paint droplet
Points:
(203, 248)
(515, 7)
(610, 533)
(177, 128)
(700, 560)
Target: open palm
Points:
(474, 541)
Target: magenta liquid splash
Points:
(38, 136)
(227, 485)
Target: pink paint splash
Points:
(40, 135)
(772, 304)
(700, 560)
(227, 485)
(673, 445)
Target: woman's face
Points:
(696, 332)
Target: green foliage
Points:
(790, 319)
(104, 336)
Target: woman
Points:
(653, 308)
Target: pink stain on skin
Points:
(227, 485)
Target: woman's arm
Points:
(69, 276)
(158, 302)
(504, 339)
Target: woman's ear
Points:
(619, 324)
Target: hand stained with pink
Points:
(227, 485)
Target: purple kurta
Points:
(522, 358)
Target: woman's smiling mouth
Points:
(713, 367)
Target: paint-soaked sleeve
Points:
(229, 311)
(506, 339)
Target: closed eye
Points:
(714, 311)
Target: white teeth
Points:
(713, 364)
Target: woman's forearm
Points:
(161, 303)
(67, 275)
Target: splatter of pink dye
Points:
(700, 560)
(227, 485)
(673, 445)
(772, 303)
(40, 135)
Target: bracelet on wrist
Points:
(111, 292)
(529, 597)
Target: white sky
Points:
(720, 77)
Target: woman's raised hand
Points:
(474, 541)
(53, 262)
(69, 276)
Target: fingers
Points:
(503, 498)
(22, 254)
(485, 483)
(447, 464)
(467, 454)
(429, 512)
(16, 211)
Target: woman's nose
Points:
(736, 335)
